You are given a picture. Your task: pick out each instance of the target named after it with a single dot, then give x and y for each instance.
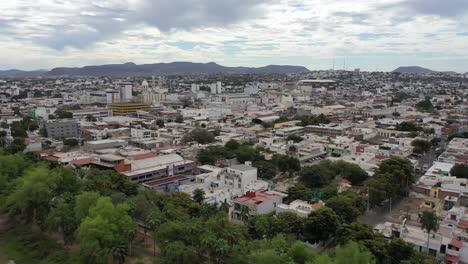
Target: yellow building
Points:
(127, 108)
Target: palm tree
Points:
(224, 207)
(429, 222)
(244, 212)
(153, 220)
(199, 195)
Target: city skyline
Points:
(316, 34)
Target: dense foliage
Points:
(97, 212)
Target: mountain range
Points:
(173, 68)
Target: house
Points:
(255, 203)
(299, 207)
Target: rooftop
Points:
(255, 198)
(242, 167)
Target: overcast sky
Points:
(368, 34)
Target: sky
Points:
(318, 34)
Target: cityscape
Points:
(234, 150)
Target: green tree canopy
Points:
(321, 225)
(106, 232)
(459, 170)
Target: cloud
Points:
(407, 10)
(445, 8)
(80, 25)
(47, 33)
(186, 14)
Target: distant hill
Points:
(20, 73)
(413, 69)
(172, 68)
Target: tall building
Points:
(112, 96)
(195, 88)
(126, 91)
(219, 87)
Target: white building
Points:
(299, 207)
(126, 90)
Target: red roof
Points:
(456, 243)
(345, 181)
(317, 206)
(52, 158)
(84, 161)
(165, 180)
(143, 156)
(257, 197)
(463, 224)
(453, 259)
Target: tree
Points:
(352, 253)
(176, 252)
(32, 194)
(83, 202)
(70, 142)
(3, 133)
(18, 145)
(459, 170)
(106, 232)
(265, 169)
(316, 175)
(300, 192)
(407, 126)
(153, 220)
(425, 106)
(355, 231)
(287, 223)
(344, 207)
(199, 195)
(247, 153)
(179, 119)
(259, 226)
(392, 178)
(321, 225)
(399, 250)
(18, 130)
(421, 146)
(295, 138)
(286, 163)
(60, 113)
(328, 192)
(199, 135)
(160, 123)
(300, 254)
(61, 217)
(211, 154)
(106, 182)
(91, 118)
(429, 222)
(232, 144)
